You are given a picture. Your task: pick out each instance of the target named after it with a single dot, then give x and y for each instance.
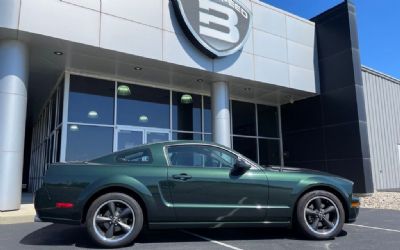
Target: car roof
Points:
(155, 146)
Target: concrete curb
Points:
(26, 214)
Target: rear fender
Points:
(121, 181)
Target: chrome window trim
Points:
(239, 156)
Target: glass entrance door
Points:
(128, 137)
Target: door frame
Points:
(143, 130)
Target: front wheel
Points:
(114, 220)
(320, 215)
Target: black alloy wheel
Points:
(114, 220)
(320, 215)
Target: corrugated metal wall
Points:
(382, 100)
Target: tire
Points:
(114, 220)
(320, 215)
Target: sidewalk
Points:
(25, 215)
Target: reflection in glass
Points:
(208, 137)
(269, 152)
(207, 114)
(186, 99)
(143, 119)
(88, 142)
(142, 103)
(267, 121)
(74, 127)
(53, 107)
(186, 112)
(123, 90)
(243, 118)
(157, 137)
(90, 96)
(60, 102)
(246, 146)
(186, 136)
(58, 145)
(129, 139)
(93, 114)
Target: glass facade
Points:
(115, 115)
(143, 106)
(255, 130)
(46, 137)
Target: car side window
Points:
(139, 156)
(200, 156)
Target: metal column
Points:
(13, 104)
(220, 113)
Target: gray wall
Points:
(382, 99)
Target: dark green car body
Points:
(183, 197)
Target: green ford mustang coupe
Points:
(186, 184)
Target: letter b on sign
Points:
(230, 33)
(217, 27)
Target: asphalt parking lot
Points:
(375, 229)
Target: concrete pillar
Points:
(220, 113)
(13, 104)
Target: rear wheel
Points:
(114, 220)
(320, 215)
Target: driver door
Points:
(205, 189)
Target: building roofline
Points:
(380, 74)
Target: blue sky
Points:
(378, 27)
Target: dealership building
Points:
(83, 78)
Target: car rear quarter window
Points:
(142, 156)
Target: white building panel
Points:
(142, 40)
(268, 20)
(147, 12)
(242, 66)
(270, 46)
(178, 50)
(301, 78)
(300, 31)
(90, 4)
(300, 55)
(9, 13)
(277, 40)
(60, 20)
(271, 71)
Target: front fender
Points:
(323, 182)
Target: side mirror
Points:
(241, 165)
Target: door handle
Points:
(181, 177)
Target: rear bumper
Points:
(37, 219)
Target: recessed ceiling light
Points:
(58, 53)
(138, 68)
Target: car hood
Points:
(303, 171)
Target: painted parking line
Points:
(376, 228)
(211, 240)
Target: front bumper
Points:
(354, 209)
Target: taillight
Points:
(64, 205)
